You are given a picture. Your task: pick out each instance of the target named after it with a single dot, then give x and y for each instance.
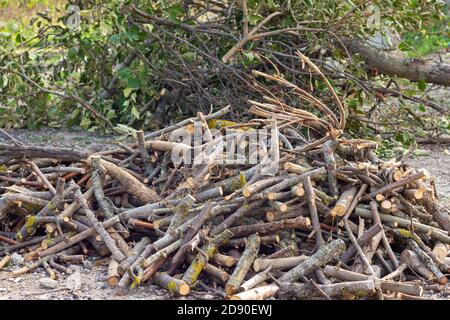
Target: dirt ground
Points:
(438, 164)
(93, 274)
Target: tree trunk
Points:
(412, 69)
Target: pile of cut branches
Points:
(316, 215)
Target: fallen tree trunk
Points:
(42, 152)
(412, 69)
(135, 187)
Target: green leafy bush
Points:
(143, 72)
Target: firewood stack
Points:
(332, 221)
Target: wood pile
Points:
(333, 221)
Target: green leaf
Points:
(135, 112)
(403, 46)
(190, 55)
(249, 55)
(115, 38)
(85, 123)
(72, 53)
(422, 85)
(124, 73)
(174, 12)
(253, 19)
(421, 133)
(110, 115)
(271, 4)
(134, 83)
(421, 107)
(75, 113)
(127, 92)
(123, 129)
(132, 36)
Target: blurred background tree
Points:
(144, 63)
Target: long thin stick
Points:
(358, 248)
(385, 241)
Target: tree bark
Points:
(4, 261)
(345, 275)
(236, 216)
(221, 275)
(412, 69)
(413, 261)
(244, 264)
(259, 293)
(328, 156)
(278, 263)
(64, 244)
(133, 255)
(299, 222)
(100, 230)
(429, 263)
(311, 198)
(193, 229)
(267, 239)
(207, 251)
(354, 289)
(404, 223)
(133, 185)
(113, 274)
(171, 248)
(175, 286)
(362, 241)
(255, 280)
(318, 259)
(385, 241)
(224, 260)
(344, 202)
(42, 152)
